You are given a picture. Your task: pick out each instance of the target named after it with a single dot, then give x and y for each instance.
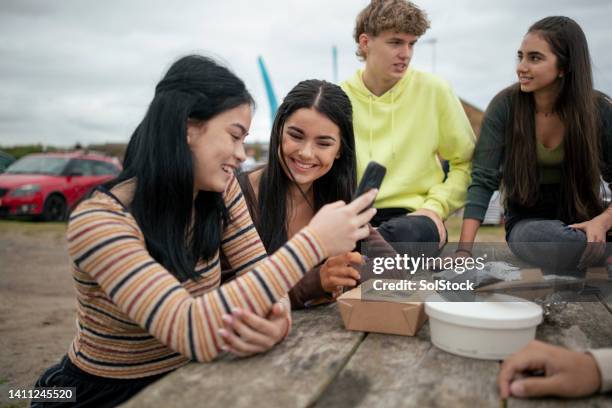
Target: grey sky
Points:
(85, 71)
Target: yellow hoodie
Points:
(404, 129)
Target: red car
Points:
(47, 185)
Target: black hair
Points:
(179, 230)
(338, 183)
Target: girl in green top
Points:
(547, 141)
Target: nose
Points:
(239, 153)
(405, 51)
(521, 66)
(306, 151)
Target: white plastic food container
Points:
(491, 330)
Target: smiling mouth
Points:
(400, 66)
(227, 168)
(303, 166)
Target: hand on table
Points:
(245, 333)
(596, 231)
(566, 373)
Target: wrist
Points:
(465, 251)
(287, 329)
(594, 377)
(606, 218)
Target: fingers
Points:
(362, 202)
(256, 323)
(531, 358)
(362, 233)
(236, 345)
(345, 272)
(278, 311)
(365, 217)
(340, 276)
(509, 369)
(335, 204)
(243, 338)
(345, 259)
(354, 258)
(340, 281)
(537, 386)
(461, 253)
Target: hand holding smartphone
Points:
(372, 178)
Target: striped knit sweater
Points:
(135, 319)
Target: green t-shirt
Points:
(549, 163)
(489, 153)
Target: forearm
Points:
(469, 229)
(603, 358)
(99, 244)
(448, 196)
(307, 289)
(606, 217)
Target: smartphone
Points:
(372, 178)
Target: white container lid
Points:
(500, 312)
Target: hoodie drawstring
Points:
(392, 124)
(370, 122)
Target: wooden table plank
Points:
(606, 299)
(391, 371)
(293, 374)
(578, 326)
(324, 364)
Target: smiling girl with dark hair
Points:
(548, 141)
(311, 163)
(145, 252)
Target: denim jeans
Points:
(548, 244)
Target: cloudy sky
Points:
(84, 71)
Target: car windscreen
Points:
(38, 165)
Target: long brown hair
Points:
(576, 107)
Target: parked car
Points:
(48, 185)
(5, 161)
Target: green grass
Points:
(31, 227)
(19, 404)
(486, 233)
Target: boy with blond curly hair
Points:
(406, 119)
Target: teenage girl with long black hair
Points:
(145, 252)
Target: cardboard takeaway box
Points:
(390, 317)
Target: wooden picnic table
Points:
(321, 364)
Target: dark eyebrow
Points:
(536, 53)
(297, 129)
(326, 137)
(242, 128)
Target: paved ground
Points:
(37, 312)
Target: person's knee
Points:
(544, 231)
(411, 235)
(410, 229)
